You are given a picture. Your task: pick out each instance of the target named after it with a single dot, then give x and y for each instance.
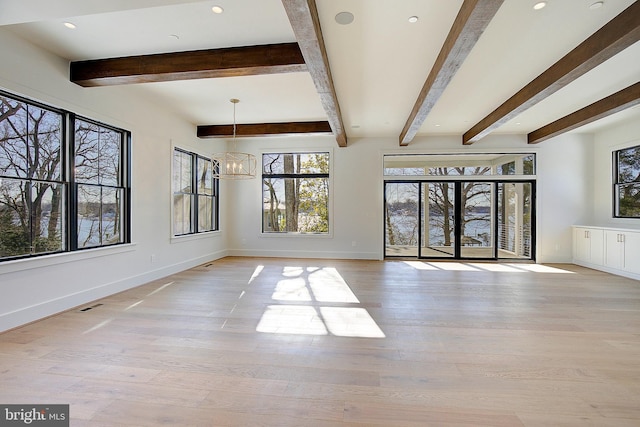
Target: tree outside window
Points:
(99, 190)
(627, 185)
(59, 193)
(195, 194)
(31, 187)
(295, 188)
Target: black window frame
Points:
(123, 178)
(620, 182)
(69, 208)
(299, 175)
(195, 195)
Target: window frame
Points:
(619, 182)
(67, 180)
(124, 178)
(195, 195)
(328, 176)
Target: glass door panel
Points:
(460, 219)
(476, 224)
(438, 220)
(401, 218)
(515, 220)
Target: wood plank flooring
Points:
(289, 342)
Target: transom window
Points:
(627, 182)
(459, 164)
(295, 193)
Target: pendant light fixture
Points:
(233, 164)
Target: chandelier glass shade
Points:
(234, 164)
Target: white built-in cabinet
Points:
(613, 250)
(588, 245)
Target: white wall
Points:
(31, 289)
(565, 193)
(626, 134)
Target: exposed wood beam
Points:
(470, 23)
(618, 34)
(612, 104)
(198, 64)
(264, 129)
(303, 16)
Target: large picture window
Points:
(295, 192)
(627, 182)
(43, 207)
(195, 194)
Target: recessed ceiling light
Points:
(437, 126)
(539, 5)
(596, 5)
(344, 18)
(217, 9)
(70, 25)
(413, 19)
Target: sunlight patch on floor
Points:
(307, 320)
(489, 266)
(419, 265)
(160, 288)
(256, 273)
(291, 319)
(500, 268)
(98, 326)
(539, 268)
(453, 266)
(350, 322)
(315, 288)
(313, 284)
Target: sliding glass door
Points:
(459, 219)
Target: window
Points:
(459, 164)
(627, 182)
(295, 189)
(43, 207)
(195, 194)
(99, 184)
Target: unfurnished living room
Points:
(320, 213)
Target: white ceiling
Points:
(379, 62)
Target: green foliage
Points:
(14, 239)
(313, 197)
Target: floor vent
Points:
(89, 308)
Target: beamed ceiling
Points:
(465, 67)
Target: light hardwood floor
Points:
(289, 342)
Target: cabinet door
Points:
(596, 240)
(632, 252)
(589, 245)
(582, 244)
(614, 249)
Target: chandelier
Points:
(234, 164)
